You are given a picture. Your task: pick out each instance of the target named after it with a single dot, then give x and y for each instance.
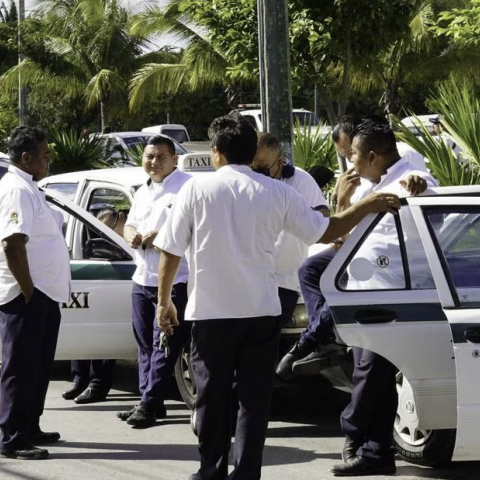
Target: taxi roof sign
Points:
(195, 162)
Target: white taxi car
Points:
(416, 302)
(96, 323)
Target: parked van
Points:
(173, 130)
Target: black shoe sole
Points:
(40, 456)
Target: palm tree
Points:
(415, 59)
(202, 63)
(88, 50)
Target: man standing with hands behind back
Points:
(229, 222)
(34, 278)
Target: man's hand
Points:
(132, 237)
(346, 185)
(414, 184)
(167, 317)
(382, 202)
(147, 241)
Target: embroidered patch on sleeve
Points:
(14, 217)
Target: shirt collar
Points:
(401, 161)
(165, 181)
(237, 168)
(21, 173)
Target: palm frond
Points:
(152, 77)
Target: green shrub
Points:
(71, 152)
(310, 148)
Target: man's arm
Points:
(132, 237)
(17, 262)
(342, 223)
(166, 311)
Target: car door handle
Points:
(472, 334)
(374, 315)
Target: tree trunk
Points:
(327, 103)
(103, 114)
(346, 76)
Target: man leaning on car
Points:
(34, 278)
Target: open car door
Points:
(450, 231)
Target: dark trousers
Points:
(29, 338)
(154, 369)
(320, 319)
(244, 348)
(97, 374)
(370, 415)
(288, 300)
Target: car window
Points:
(108, 198)
(178, 135)
(67, 189)
(458, 242)
(305, 118)
(390, 257)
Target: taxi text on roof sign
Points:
(195, 162)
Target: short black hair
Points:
(321, 174)
(162, 140)
(376, 137)
(235, 138)
(267, 140)
(24, 139)
(348, 124)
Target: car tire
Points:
(422, 447)
(184, 376)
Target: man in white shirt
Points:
(290, 251)
(369, 418)
(316, 348)
(34, 278)
(229, 222)
(151, 207)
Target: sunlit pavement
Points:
(304, 439)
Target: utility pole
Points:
(273, 35)
(22, 91)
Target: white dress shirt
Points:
(24, 210)
(378, 262)
(290, 251)
(231, 220)
(150, 209)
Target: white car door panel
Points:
(454, 257)
(96, 322)
(387, 303)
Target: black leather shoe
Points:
(160, 412)
(324, 356)
(123, 416)
(364, 466)
(350, 449)
(297, 352)
(75, 391)
(42, 438)
(90, 395)
(143, 417)
(28, 453)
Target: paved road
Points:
(303, 440)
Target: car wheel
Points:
(184, 376)
(423, 447)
